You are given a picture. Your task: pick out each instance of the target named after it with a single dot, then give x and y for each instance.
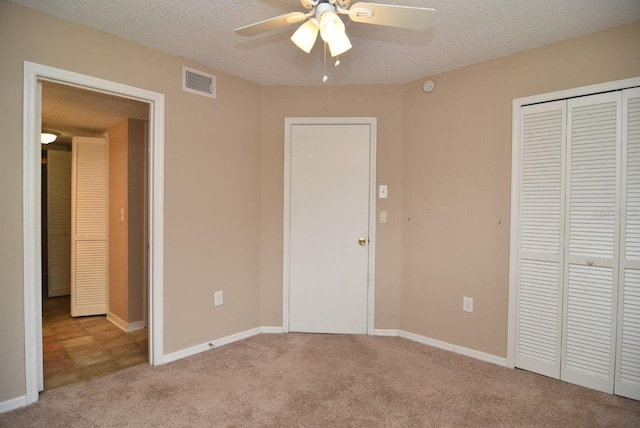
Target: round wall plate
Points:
(428, 86)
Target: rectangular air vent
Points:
(198, 82)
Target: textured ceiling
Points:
(464, 32)
(72, 111)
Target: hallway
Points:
(83, 348)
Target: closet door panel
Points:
(592, 223)
(589, 320)
(627, 381)
(543, 129)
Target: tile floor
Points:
(83, 348)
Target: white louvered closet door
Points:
(89, 226)
(543, 134)
(59, 222)
(592, 236)
(627, 381)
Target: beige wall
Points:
(381, 101)
(118, 230)
(457, 162)
(127, 144)
(136, 221)
(211, 229)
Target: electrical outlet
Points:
(467, 304)
(217, 298)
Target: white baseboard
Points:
(427, 341)
(14, 403)
(127, 327)
(482, 356)
(211, 344)
(478, 355)
(386, 332)
(271, 330)
(489, 358)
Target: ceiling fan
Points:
(323, 17)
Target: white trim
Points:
(482, 356)
(514, 234)
(31, 205)
(286, 226)
(178, 355)
(373, 222)
(516, 176)
(14, 403)
(123, 325)
(117, 321)
(271, 330)
(386, 332)
(478, 355)
(288, 122)
(136, 325)
(32, 241)
(40, 346)
(616, 85)
(427, 341)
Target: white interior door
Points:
(59, 222)
(627, 381)
(89, 226)
(592, 233)
(329, 223)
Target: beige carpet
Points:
(325, 380)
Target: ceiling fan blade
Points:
(415, 18)
(271, 24)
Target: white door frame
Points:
(32, 244)
(286, 229)
(516, 180)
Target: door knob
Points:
(362, 241)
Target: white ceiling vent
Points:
(198, 82)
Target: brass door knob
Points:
(362, 241)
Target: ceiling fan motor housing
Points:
(310, 4)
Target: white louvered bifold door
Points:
(90, 226)
(59, 222)
(627, 381)
(592, 233)
(543, 134)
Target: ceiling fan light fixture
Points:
(305, 36)
(339, 45)
(48, 137)
(331, 26)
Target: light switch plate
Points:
(467, 304)
(382, 192)
(383, 217)
(217, 298)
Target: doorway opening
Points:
(94, 214)
(32, 206)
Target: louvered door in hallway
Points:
(89, 226)
(58, 222)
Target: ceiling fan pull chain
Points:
(325, 78)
